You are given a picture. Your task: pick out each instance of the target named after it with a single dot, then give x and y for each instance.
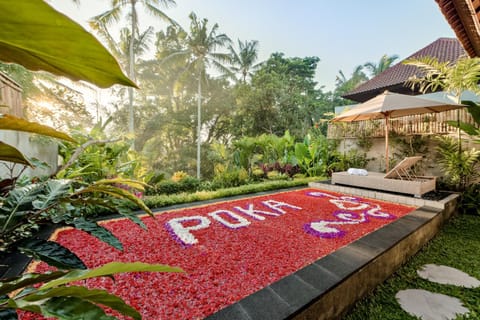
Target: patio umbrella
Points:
(392, 105)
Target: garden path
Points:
(433, 306)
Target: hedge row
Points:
(159, 201)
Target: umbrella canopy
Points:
(391, 105)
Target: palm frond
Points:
(156, 12)
(109, 16)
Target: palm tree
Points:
(451, 78)
(200, 54)
(243, 61)
(117, 6)
(120, 49)
(344, 84)
(382, 65)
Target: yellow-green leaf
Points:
(92, 295)
(12, 154)
(9, 122)
(118, 193)
(109, 269)
(139, 185)
(38, 37)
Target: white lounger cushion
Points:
(357, 172)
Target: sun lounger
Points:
(400, 179)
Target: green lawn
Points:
(458, 246)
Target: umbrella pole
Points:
(386, 144)
(459, 133)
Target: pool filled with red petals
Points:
(228, 250)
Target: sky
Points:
(342, 33)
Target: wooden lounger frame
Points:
(401, 179)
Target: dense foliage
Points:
(28, 203)
(459, 164)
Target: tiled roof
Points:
(463, 16)
(393, 79)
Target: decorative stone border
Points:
(374, 194)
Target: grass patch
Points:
(457, 245)
(159, 201)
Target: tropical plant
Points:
(229, 177)
(200, 54)
(63, 48)
(99, 157)
(114, 14)
(461, 168)
(65, 201)
(314, 155)
(344, 84)
(351, 159)
(121, 50)
(383, 64)
(243, 60)
(81, 56)
(244, 154)
(454, 79)
(470, 199)
(275, 148)
(56, 294)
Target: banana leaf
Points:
(9, 122)
(38, 37)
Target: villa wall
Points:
(429, 164)
(42, 148)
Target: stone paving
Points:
(447, 275)
(434, 306)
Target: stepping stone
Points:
(447, 275)
(430, 306)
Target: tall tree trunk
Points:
(131, 74)
(199, 122)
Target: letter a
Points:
(275, 205)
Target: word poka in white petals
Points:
(181, 228)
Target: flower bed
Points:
(228, 249)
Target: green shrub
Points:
(275, 175)
(179, 176)
(187, 184)
(230, 178)
(460, 168)
(167, 187)
(163, 200)
(351, 159)
(258, 174)
(470, 199)
(155, 177)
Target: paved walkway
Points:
(434, 306)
